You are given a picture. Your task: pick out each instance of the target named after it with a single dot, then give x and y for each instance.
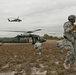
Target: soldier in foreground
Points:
(69, 42)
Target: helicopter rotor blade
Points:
(20, 31)
(13, 31)
(33, 31)
(37, 30)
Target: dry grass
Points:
(22, 56)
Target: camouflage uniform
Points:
(60, 45)
(69, 43)
(37, 46)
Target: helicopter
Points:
(23, 38)
(14, 20)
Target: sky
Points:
(48, 15)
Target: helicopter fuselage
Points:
(14, 20)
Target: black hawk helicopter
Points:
(23, 38)
(14, 19)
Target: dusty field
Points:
(22, 59)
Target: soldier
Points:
(69, 42)
(37, 46)
(60, 44)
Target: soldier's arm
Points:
(67, 27)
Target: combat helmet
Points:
(71, 17)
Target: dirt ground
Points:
(21, 59)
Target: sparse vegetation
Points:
(50, 37)
(22, 58)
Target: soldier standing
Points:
(37, 46)
(69, 42)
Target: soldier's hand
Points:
(74, 28)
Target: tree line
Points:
(50, 37)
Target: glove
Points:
(74, 28)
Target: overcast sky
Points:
(48, 15)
